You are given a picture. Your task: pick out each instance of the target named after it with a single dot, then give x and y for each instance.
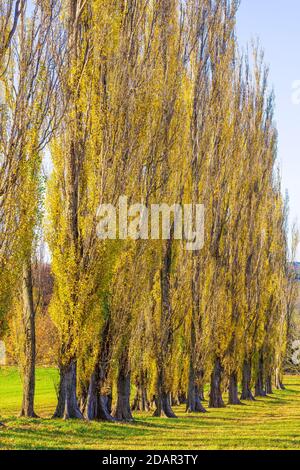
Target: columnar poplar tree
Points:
(36, 92)
(10, 229)
(68, 236)
(25, 112)
(29, 84)
(10, 165)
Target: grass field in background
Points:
(269, 423)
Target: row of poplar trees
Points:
(151, 99)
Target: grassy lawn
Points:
(270, 423)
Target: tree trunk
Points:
(98, 405)
(201, 385)
(67, 406)
(136, 404)
(122, 410)
(145, 402)
(191, 394)
(199, 408)
(108, 401)
(29, 344)
(278, 383)
(215, 397)
(182, 398)
(141, 402)
(193, 401)
(269, 389)
(233, 397)
(259, 384)
(162, 398)
(193, 398)
(163, 405)
(246, 382)
(83, 396)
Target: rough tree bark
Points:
(162, 398)
(29, 343)
(198, 407)
(246, 382)
(193, 397)
(259, 384)
(233, 397)
(201, 385)
(67, 406)
(278, 379)
(269, 389)
(97, 403)
(83, 395)
(122, 409)
(194, 404)
(141, 402)
(162, 395)
(182, 399)
(215, 396)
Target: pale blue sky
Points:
(277, 24)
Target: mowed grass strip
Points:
(269, 423)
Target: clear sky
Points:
(277, 24)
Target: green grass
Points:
(269, 423)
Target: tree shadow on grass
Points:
(290, 391)
(87, 428)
